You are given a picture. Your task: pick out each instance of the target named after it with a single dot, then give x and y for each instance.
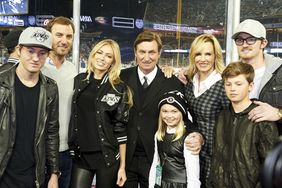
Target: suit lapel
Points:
(133, 84)
(155, 88)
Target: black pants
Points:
(65, 166)
(138, 172)
(105, 177)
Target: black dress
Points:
(173, 162)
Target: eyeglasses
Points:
(249, 41)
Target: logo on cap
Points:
(40, 36)
(170, 99)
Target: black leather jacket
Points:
(240, 147)
(46, 141)
(112, 117)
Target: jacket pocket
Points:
(276, 91)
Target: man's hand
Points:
(53, 182)
(178, 72)
(194, 142)
(168, 71)
(263, 112)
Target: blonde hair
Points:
(180, 128)
(115, 68)
(196, 46)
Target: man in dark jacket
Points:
(29, 116)
(250, 38)
(148, 84)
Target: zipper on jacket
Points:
(234, 126)
(37, 154)
(36, 183)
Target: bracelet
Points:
(280, 113)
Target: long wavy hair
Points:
(197, 46)
(115, 68)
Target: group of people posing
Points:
(130, 128)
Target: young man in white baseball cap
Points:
(250, 38)
(29, 133)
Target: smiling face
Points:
(247, 51)
(170, 115)
(205, 59)
(237, 88)
(103, 59)
(147, 56)
(62, 39)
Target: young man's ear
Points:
(18, 49)
(251, 86)
(264, 43)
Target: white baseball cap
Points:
(36, 37)
(252, 27)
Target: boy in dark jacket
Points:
(240, 145)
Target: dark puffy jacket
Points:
(46, 141)
(240, 147)
(112, 116)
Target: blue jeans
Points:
(65, 165)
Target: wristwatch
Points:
(280, 112)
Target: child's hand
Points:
(194, 142)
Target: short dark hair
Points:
(59, 20)
(148, 36)
(237, 68)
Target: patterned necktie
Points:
(145, 84)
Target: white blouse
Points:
(199, 89)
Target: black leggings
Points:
(105, 177)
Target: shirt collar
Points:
(171, 130)
(150, 76)
(51, 62)
(209, 81)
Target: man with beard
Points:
(63, 72)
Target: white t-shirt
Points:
(257, 82)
